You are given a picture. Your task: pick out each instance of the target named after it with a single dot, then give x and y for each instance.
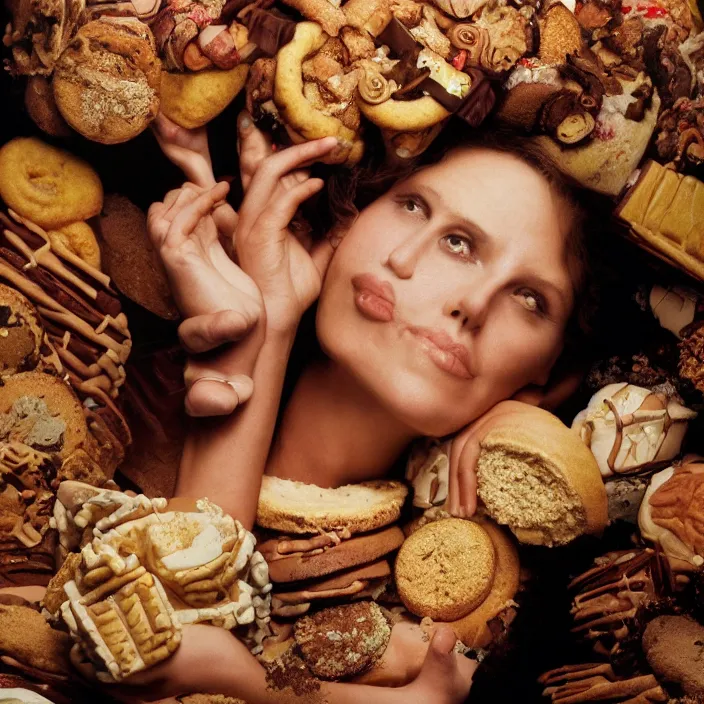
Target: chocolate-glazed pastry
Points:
(607, 596)
(268, 31)
(631, 430)
(79, 310)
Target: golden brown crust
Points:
(473, 629)
(107, 81)
(349, 553)
(445, 569)
(540, 436)
(294, 507)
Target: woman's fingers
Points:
(186, 220)
(464, 492)
(215, 395)
(272, 170)
(203, 333)
(253, 147)
(284, 206)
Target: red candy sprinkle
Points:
(459, 60)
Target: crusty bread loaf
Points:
(665, 212)
(537, 477)
(473, 630)
(294, 507)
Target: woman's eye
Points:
(456, 244)
(531, 301)
(412, 206)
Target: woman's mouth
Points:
(448, 355)
(374, 298)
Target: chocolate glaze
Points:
(269, 31)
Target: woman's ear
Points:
(563, 382)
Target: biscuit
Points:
(26, 637)
(107, 81)
(445, 569)
(49, 186)
(673, 646)
(342, 641)
(192, 100)
(473, 629)
(21, 333)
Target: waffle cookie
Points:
(665, 211)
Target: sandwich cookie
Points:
(337, 542)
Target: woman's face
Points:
(451, 292)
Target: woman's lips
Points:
(447, 354)
(374, 298)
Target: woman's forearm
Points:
(238, 674)
(225, 459)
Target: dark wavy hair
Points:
(350, 190)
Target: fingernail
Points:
(245, 123)
(344, 143)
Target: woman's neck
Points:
(334, 432)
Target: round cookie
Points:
(107, 81)
(342, 641)
(64, 412)
(445, 569)
(46, 185)
(21, 333)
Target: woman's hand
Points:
(220, 302)
(187, 149)
(288, 275)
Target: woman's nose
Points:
(471, 309)
(403, 258)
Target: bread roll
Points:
(537, 477)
